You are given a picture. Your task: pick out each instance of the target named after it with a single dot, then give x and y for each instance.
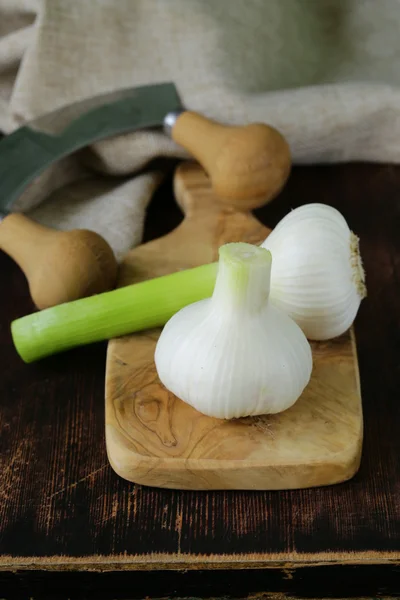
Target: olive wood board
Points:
(155, 439)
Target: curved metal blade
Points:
(27, 152)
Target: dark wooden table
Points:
(71, 528)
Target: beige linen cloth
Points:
(324, 72)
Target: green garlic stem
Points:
(243, 280)
(126, 310)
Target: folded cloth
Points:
(325, 73)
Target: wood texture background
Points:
(62, 506)
(153, 438)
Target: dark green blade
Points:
(28, 151)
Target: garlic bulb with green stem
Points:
(317, 276)
(235, 354)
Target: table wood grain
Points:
(70, 527)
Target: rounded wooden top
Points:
(248, 165)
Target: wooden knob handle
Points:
(247, 165)
(60, 266)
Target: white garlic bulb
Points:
(317, 276)
(234, 354)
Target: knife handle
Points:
(248, 165)
(60, 266)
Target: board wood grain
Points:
(154, 438)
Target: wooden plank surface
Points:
(153, 438)
(62, 506)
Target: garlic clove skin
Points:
(317, 275)
(235, 354)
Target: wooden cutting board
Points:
(155, 439)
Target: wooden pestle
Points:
(60, 266)
(248, 166)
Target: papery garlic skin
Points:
(317, 276)
(235, 354)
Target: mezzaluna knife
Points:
(244, 163)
